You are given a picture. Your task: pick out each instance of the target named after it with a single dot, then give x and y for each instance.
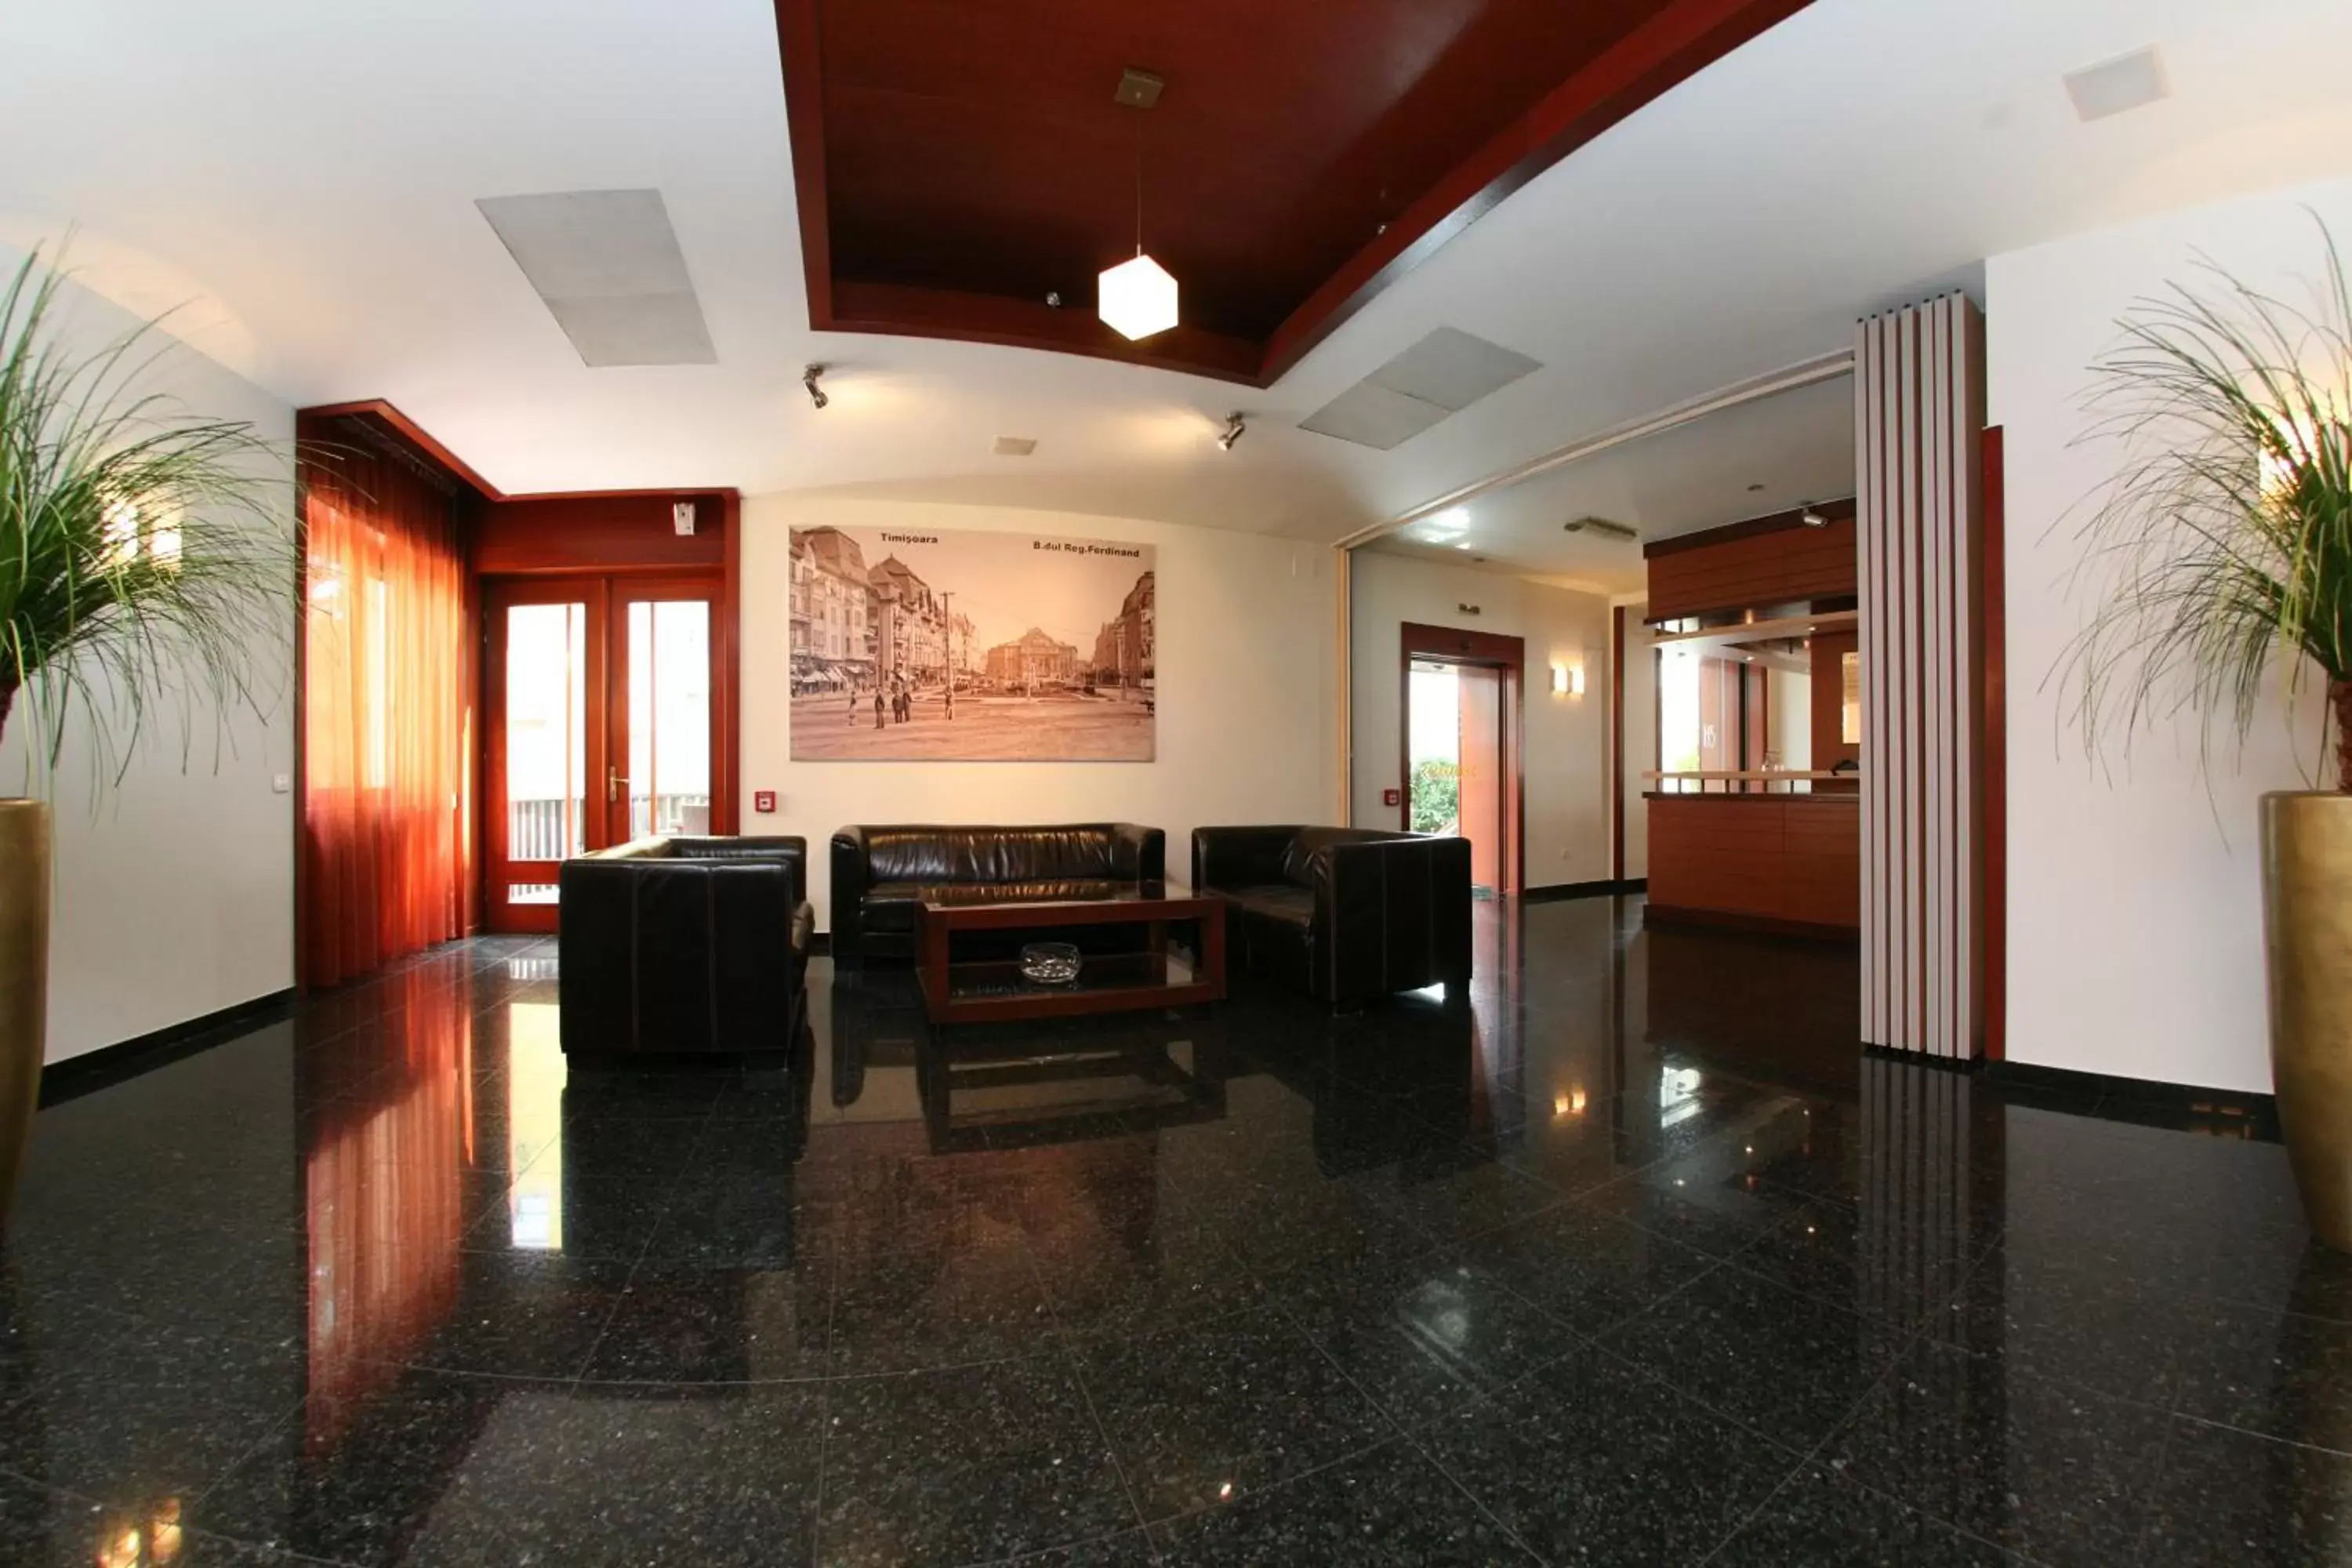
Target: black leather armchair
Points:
(684, 944)
(1345, 915)
(880, 874)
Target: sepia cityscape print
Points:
(914, 646)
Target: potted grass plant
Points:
(147, 574)
(2220, 562)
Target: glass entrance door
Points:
(602, 703)
(546, 751)
(665, 722)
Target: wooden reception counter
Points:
(1772, 862)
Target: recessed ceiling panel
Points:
(957, 163)
(1372, 416)
(1453, 369)
(608, 266)
(1442, 374)
(637, 329)
(2112, 86)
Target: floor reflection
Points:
(1644, 1255)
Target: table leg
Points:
(933, 940)
(1212, 949)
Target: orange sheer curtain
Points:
(386, 727)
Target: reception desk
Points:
(1765, 861)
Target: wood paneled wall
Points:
(1776, 860)
(601, 533)
(1751, 571)
(1919, 421)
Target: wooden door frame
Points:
(612, 589)
(1452, 644)
(499, 595)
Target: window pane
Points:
(670, 717)
(547, 732)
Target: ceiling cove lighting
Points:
(1137, 298)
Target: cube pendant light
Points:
(1137, 298)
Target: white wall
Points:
(1641, 738)
(175, 892)
(2135, 938)
(1567, 737)
(1246, 693)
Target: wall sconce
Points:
(1566, 680)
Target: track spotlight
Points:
(1812, 518)
(1234, 427)
(816, 393)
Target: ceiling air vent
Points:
(608, 266)
(1443, 375)
(1015, 446)
(2111, 87)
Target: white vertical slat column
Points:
(1918, 426)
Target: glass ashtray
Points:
(1049, 963)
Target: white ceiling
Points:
(1761, 457)
(307, 174)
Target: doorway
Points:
(1455, 782)
(1461, 731)
(601, 699)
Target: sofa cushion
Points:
(1278, 903)
(890, 906)
(937, 855)
(1271, 930)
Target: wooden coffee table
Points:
(994, 990)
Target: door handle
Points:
(612, 783)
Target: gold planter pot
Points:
(2307, 928)
(24, 978)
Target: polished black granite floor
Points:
(1633, 1260)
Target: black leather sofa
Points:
(1346, 914)
(685, 945)
(880, 874)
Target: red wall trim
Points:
(1617, 743)
(1992, 748)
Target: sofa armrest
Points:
(1139, 854)
(848, 896)
(1391, 915)
(1239, 857)
(653, 847)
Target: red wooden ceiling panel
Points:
(974, 153)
